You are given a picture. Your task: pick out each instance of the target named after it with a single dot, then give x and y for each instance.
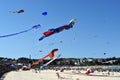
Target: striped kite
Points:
(57, 30)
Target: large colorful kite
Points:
(34, 27)
(59, 29)
(51, 55)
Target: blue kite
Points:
(34, 27)
(57, 30)
(44, 13)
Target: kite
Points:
(104, 53)
(59, 29)
(61, 41)
(90, 72)
(44, 13)
(19, 11)
(40, 51)
(52, 60)
(51, 55)
(34, 27)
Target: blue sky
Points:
(96, 30)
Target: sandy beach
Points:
(51, 75)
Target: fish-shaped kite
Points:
(57, 30)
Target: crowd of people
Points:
(93, 69)
(6, 67)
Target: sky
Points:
(96, 31)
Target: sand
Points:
(51, 75)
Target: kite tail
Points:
(36, 27)
(41, 38)
(15, 33)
